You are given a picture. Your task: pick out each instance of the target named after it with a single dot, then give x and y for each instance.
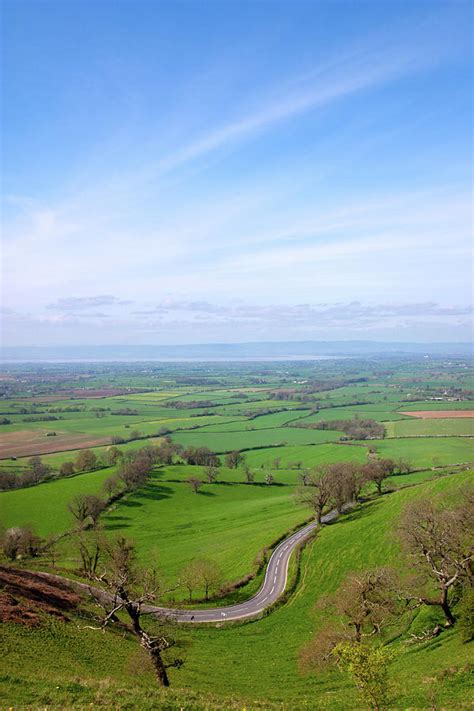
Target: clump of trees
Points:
(355, 428)
(36, 472)
(201, 456)
(188, 404)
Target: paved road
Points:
(273, 586)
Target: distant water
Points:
(222, 359)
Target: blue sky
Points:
(183, 172)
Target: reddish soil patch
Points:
(25, 443)
(85, 394)
(24, 596)
(439, 414)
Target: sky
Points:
(196, 172)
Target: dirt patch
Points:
(439, 414)
(84, 394)
(25, 443)
(24, 597)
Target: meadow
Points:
(256, 409)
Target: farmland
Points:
(279, 419)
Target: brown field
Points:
(84, 394)
(26, 443)
(439, 414)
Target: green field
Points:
(253, 665)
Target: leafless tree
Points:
(92, 549)
(21, 541)
(249, 475)
(84, 506)
(362, 607)
(67, 469)
(317, 494)
(211, 474)
(377, 470)
(85, 460)
(269, 479)
(234, 459)
(127, 588)
(112, 486)
(194, 483)
(440, 544)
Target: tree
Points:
(84, 506)
(249, 475)
(365, 603)
(113, 455)
(20, 541)
(276, 462)
(439, 543)
(269, 479)
(317, 494)
(234, 459)
(85, 460)
(304, 478)
(378, 470)
(368, 667)
(201, 456)
(189, 578)
(91, 549)
(211, 474)
(210, 575)
(38, 469)
(67, 469)
(129, 589)
(111, 486)
(194, 483)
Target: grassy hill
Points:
(253, 665)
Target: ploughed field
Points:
(285, 420)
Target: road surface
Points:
(273, 586)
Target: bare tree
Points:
(112, 486)
(378, 470)
(440, 543)
(85, 460)
(234, 459)
(92, 549)
(269, 479)
(211, 474)
(194, 483)
(317, 494)
(21, 541)
(304, 478)
(66, 469)
(249, 475)
(84, 506)
(362, 607)
(210, 575)
(130, 589)
(113, 455)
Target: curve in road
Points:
(273, 586)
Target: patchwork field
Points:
(262, 411)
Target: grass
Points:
(427, 451)
(253, 665)
(440, 428)
(226, 522)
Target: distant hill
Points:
(234, 351)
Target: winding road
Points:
(273, 586)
